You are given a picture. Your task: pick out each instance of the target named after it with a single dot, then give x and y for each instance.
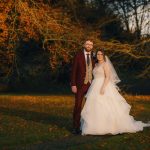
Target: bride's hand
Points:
(102, 91)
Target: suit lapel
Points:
(83, 59)
(93, 63)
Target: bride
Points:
(105, 110)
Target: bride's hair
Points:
(100, 50)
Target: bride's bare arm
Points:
(107, 77)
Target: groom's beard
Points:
(88, 50)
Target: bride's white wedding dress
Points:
(107, 113)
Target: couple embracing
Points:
(105, 111)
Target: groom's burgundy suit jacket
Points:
(78, 72)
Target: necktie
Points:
(88, 59)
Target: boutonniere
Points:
(93, 54)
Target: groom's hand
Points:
(74, 89)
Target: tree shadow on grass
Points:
(62, 143)
(71, 142)
(40, 117)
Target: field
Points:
(44, 122)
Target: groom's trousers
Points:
(78, 105)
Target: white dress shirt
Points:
(85, 54)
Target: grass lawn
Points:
(32, 122)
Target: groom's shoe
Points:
(76, 131)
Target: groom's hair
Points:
(88, 39)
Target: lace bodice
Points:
(98, 71)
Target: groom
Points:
(81, 77)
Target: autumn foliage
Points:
(56, 34)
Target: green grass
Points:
(45, 123)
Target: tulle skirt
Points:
(108, 113)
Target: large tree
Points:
(39, 39)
